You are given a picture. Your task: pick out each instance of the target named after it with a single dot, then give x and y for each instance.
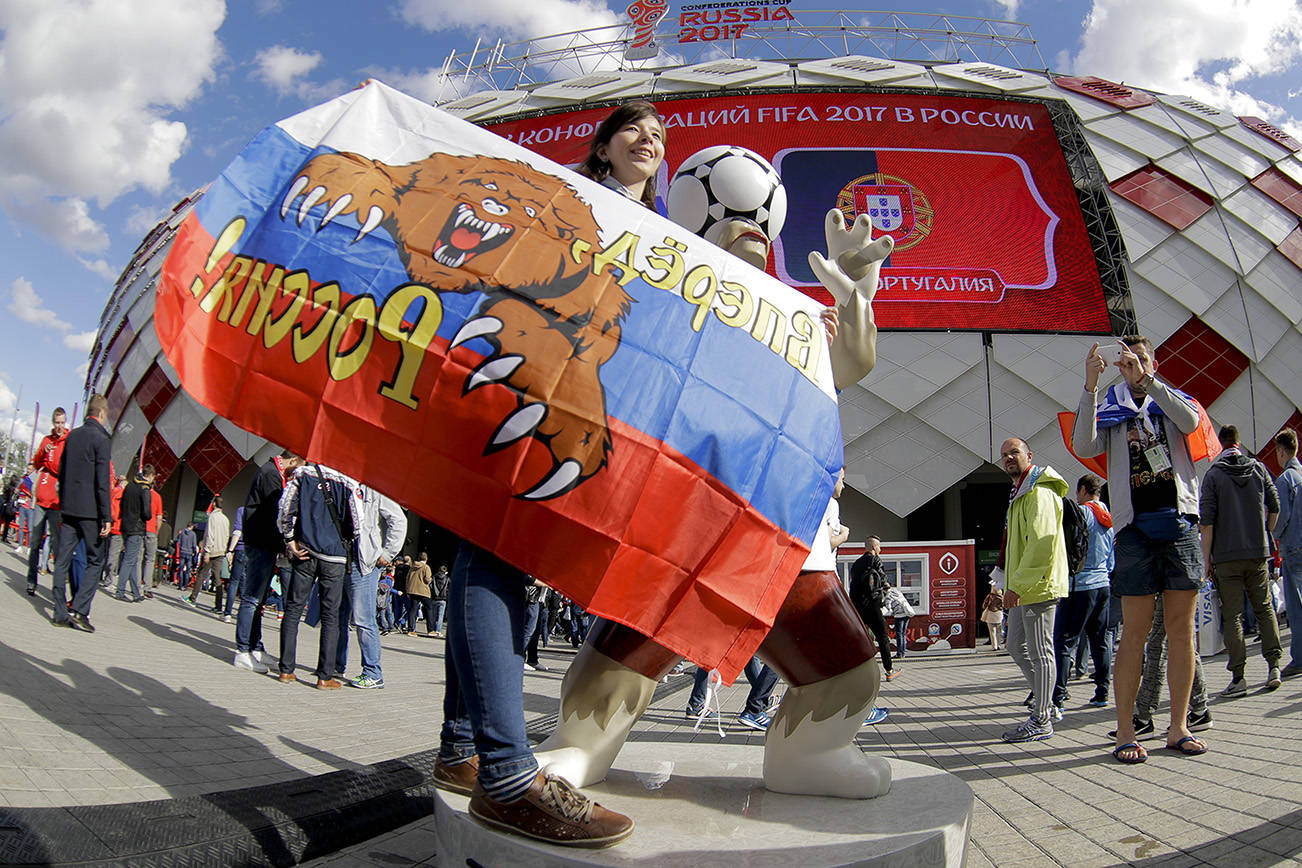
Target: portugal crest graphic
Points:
(895, 206)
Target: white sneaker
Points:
(246, 660)
(226, 619)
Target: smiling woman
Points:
(627, 149)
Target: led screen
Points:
(975, 191)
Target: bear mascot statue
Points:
(733, 198)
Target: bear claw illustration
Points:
(456, 222)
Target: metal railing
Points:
(809, 34)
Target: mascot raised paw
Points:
(818, 644)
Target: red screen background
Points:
(990, 172)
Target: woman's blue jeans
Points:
(901, 635)
(483, 701)
(358, 612)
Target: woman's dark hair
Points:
(630, 112)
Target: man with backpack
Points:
(868, 594)
(1033, 565)
(439, 596)
(1238, 507)
(1084, 611)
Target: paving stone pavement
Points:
(149, 707)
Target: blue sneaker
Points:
(877, 715)
(757, 720)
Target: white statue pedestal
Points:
(704, 804)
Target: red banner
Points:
(974, 190)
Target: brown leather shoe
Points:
(328, 684)
(287, 677)
(460, 778)
(553, 811)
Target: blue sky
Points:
(112, 110)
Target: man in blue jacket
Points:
(316, 521)
(262, 545)
(1084, 611)
(1288, 534)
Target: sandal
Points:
(1137, 753)
(1189, 746)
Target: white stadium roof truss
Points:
(915, 36)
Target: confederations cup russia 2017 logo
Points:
(896, 207)
(644, 15)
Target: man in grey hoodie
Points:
(1237, 507)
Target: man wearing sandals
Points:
(1142, 426)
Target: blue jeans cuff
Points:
(452, 753)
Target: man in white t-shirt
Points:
(831, 534)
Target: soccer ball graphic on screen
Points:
(726, 181)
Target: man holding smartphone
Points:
(1142, 426)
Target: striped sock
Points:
(510, 789)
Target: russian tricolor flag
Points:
(519, 355)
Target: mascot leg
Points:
(607, 688)
(819, 645)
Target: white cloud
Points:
(1007, 8)
(85, 90)
(67, 221)
(141, 220)
(509, 19)
(285, 70)
(100, 268)
(12, 414)
(1208, 49)
(28, 306)
(82, 342)
(8, 400)
(430, 85)
(283, 67)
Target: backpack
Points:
(1075, 533)
(867, 580)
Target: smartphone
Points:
(1111, 353)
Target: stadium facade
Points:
(1033, 214)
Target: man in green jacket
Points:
(1034, 563)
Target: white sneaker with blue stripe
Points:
(1030, 730)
